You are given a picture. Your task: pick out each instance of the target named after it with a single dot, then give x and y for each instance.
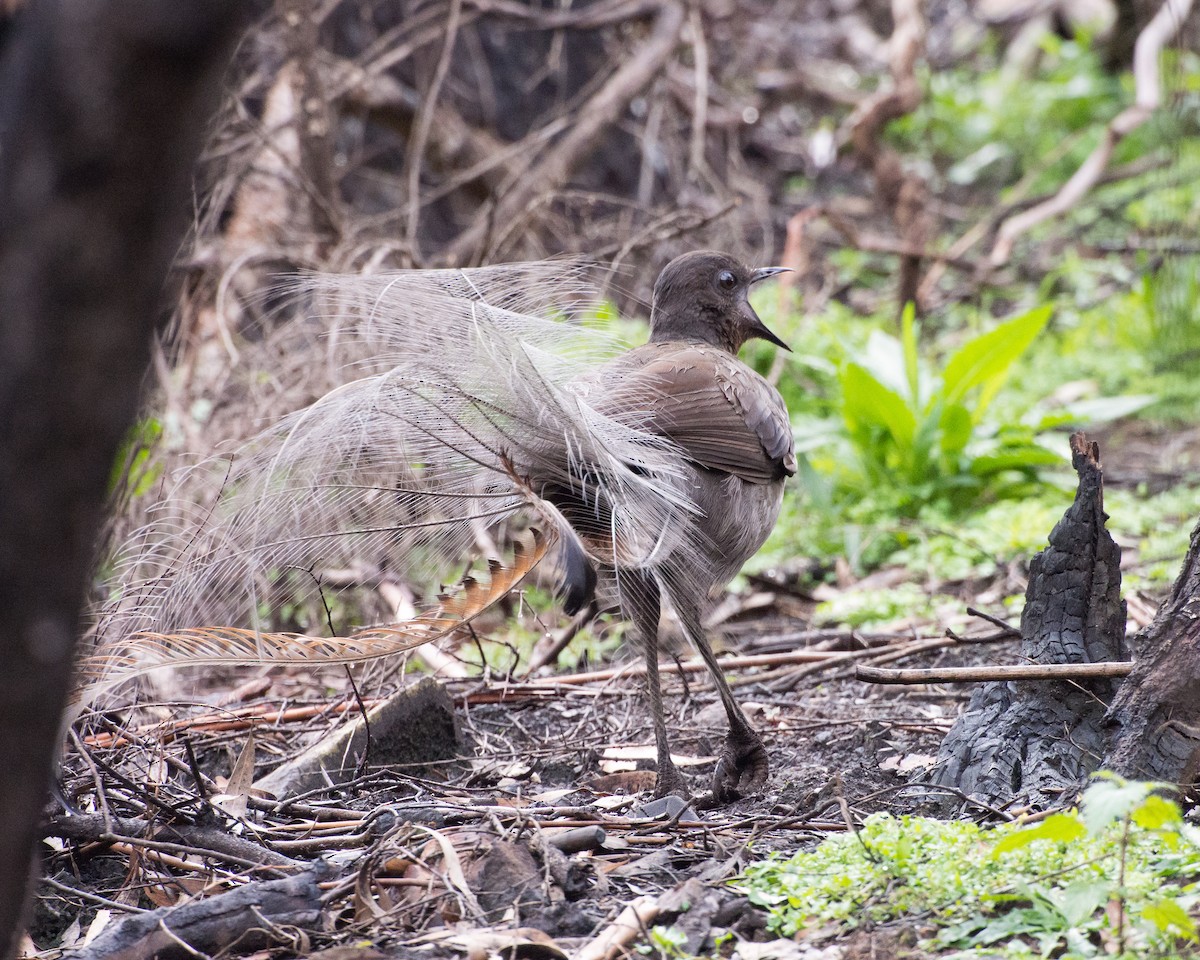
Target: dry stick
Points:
(667, 227)
(1006, 628)
(621, 932)
(700, 103)
(872, 243)
(603, 109)
(591, 17)
(697, 666)
(1148, 96)
(224, 722)
(246, 717)
(790, 678)
(1022, 671)
(416, 147)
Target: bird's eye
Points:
(726, 279)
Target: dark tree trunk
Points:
(1156, 713)
(102, 113)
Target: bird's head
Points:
(704, 296)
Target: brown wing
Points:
(720, 412)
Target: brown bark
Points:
(102, 117)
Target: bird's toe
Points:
(741, 769)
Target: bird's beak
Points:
(765, 272)
(757, 327)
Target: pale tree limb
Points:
(1148, 97)
(416, 147)
(899, 96)
(613, 940)
(700, 102)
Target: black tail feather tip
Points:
(578, 584)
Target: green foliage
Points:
(925, 435)
(1116, 877)
(1170, 298)
(1144, 339)
(992, 127)
(135, 470)
(851, 608)
(668, 942)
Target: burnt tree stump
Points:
(1034, 740)
(1157, 710)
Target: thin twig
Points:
(1020, 671)
(416, 147)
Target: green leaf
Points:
(1168, 916)
(884, 359)
(1106, 409)
(984, 361)
(866, 402)
(1024, 458)
(1109, 799)
(956, 428)
(1058, 828)
(133, 465)
(1157, 812)
(1082, 899)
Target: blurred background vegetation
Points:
(880, 149)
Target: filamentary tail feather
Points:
(462, 411)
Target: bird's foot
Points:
(670, 782)
(741, 769)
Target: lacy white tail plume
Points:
(468, 411)
(223, 646)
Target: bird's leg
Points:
(743, 764)
(640, 598)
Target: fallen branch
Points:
(904, 193)
(1147, 98)
(697, 665)
(613, 939)
(183, 840)
(249, 915)
(243, 718)
(788, 679)
(1021, 671)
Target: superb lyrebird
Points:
(658, 470)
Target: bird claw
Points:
(741, 769)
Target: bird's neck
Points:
(695, 326)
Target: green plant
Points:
(1172, 301)
(995, 125)
(135, 470)
(925, 434)
(667, 942)
(1117, 876)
